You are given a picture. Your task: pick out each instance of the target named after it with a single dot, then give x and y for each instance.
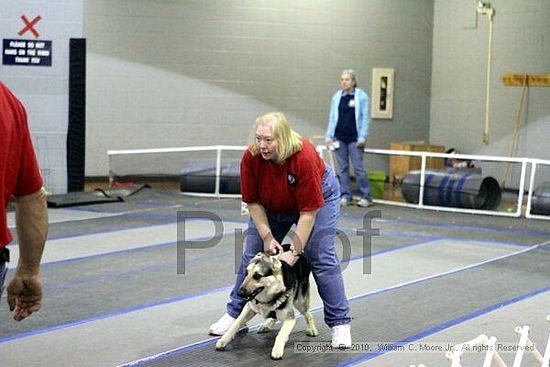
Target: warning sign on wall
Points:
(27, 52)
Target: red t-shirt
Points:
(292, 187)
(19, 173)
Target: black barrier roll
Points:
(201, 177)
(540, 202)
(459, 189)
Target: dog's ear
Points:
(275, 259)
(276, 256)
(257, 257)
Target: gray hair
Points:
(351, 73)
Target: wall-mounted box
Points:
(382, 93)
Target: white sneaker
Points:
(341, 336)
(364, 203)
(222, 325)
(345, 202)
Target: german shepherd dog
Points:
(273, 288)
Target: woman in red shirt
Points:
(285, 182)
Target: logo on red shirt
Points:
(291, 179)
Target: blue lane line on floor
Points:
(224, 254)
(103, 277)
(79, 282)
(403, 221)
(452, 238)
(161, 204)
(115, 313)
(172, 219)
(158, 303)
(117, 274)
(124, 228)
(534, 233)
(367, 295)
(423, 240)
(104, 231)
(128, 250)
(443, 326)
(347, 230)
(445, 273)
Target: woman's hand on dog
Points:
(272, 247)
(288, 258)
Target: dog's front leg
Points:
(243, 318)
(282, 337)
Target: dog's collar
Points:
(278, 302)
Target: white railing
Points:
(534, 164)
(425, 155)
(327, 154)
(217, 148)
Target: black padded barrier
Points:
(76, 134)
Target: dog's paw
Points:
(267, 326)
(262, 329)
(277, 353)
(220, 345)
(312, 331)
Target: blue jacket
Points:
(362, 118)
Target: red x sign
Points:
(29, 26)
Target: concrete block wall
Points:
(182, 73)
(187, 73)
(521, 44)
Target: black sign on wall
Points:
(27, 52)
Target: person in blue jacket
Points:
(348, 124)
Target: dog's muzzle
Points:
(251, 296)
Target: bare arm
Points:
(258, 215)
(301, 235)
(31, 215)
(25, 288)
(303, 229)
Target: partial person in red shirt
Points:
(20, 178)
(285, 182)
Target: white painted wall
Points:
(521, 44)
(187, 73)
(44, 90)
(181, 73)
